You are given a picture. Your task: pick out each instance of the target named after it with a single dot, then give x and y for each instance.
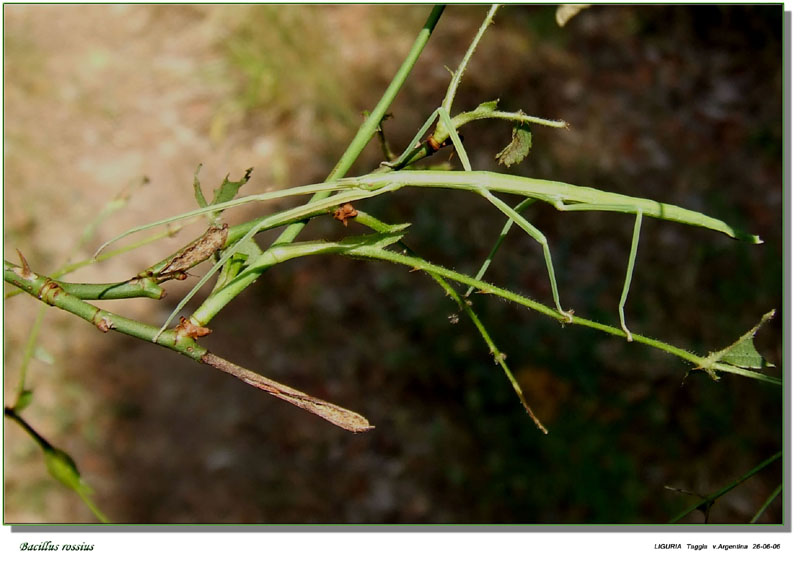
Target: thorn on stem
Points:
(26, 272)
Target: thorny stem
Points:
(179, 340)
(52, 292)
(447, 103)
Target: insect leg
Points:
(414, 142)
(637, 227)
(451, 130)
(539, 237)
(503, 233)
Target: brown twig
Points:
(339, 416)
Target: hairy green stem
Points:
(464, 306)
(416, 263)
(447, 103)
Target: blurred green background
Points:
(675, 103)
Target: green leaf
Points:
(227, 191)
(485, 108)
(251, 248)
(518, 148)
(743, 352)
(24, 399)
(198, 192)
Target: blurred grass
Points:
(673, 103)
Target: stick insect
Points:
(567, 198)
(562, 196)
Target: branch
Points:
(181, 340)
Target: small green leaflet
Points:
(518, 148)
(198, 192)
(227, 191)
(25, 398)
(743, 352)
(224, 193)
(485, 108)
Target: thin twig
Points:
(339, 416)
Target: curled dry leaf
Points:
(334, 414)
(198, 251)
(188, 329)
(344, 212)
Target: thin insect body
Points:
(562, 196)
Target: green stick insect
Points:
(586, 199)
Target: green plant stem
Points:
(376, 252)
(146, 287)
(416, 263)
(273, 255)
(48, 449)
(464, 306)
(30, 346)
(766, 504)
(447, 103)
(357, 145)
(38, 438)
(51, 292)
(711, 498)
(99, 289)
(371, 124)
(468, 116)
(94, 508)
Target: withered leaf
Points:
(198, 251)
